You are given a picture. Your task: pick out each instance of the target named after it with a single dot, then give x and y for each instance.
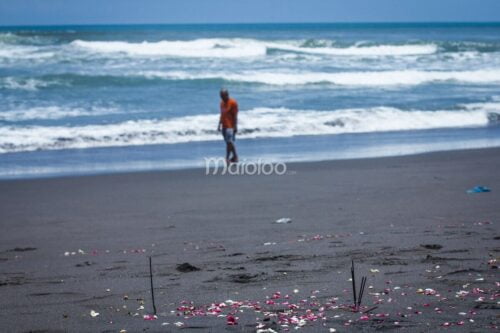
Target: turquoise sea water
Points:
(91, 99)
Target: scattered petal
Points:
(283, 220)
(231, 320)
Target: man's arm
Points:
(219, 126)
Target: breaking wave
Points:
(368, 79)
(382, 78)
(255, 123)
(23, 52)
(28, 84)
(239, 48)
(53, 113)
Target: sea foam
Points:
(255, 123)
(53, 113)
(368, 78)
(238, 48)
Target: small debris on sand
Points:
(244, 278)
(187, 267)
(432, 246)
(22, 249)
(85, 263)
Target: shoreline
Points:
(199, 168)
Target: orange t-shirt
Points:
(228, 113)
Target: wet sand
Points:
(429, 250)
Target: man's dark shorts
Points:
(229, 135)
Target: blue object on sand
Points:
(479, 189)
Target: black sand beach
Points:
(430, 251)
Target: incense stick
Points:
(353, 284)
(152, 289)
(371, 309)
(361, 290)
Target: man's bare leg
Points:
(228, 152)
(235, 155)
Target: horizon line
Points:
(247, 23)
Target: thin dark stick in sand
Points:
(370, 309)
(353, 284)
(152, 289)
(361, 290)
(360, 295)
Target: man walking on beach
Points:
(228, 123)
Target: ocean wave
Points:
(12, 53)
(204, 48)
(321, 46)
(53, 113)
(81, 79)
(373, 78)
(46, 47)
(9, 37)
(239, 48)
(470, 46)
(251, 51)
(28, 84)
(367, 79)
(365, 51)
(24, 39)
(255, 123)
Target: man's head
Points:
(224, 94)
